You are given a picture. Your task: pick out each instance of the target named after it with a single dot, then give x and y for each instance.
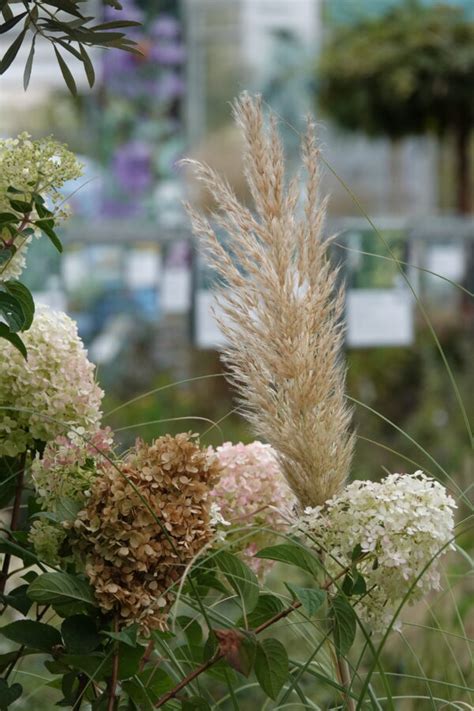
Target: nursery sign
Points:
(374, 317)
(379, 306)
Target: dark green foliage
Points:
(345, 623)
(9, 694)
(31, 634)
(271, 666)
(70, 30)
(310, 598)
(408, 71)
(240, 577)
(293, 554)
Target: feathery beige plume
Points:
(281, 309)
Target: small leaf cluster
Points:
(67, 28)
(16, 302)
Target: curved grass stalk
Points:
(447, 704)
(160, 389)
(413, 441)
(420, 667)
(405, 264)
(214, 424)
(404, 600)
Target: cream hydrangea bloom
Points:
(251, 491)
(402, 524)
(42, 166)
(50, 393)
(63, 478)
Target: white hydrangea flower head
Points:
(401, 524)
(32, 166)
(53, 391)
(42, 166)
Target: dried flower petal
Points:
(143, 524)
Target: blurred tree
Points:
(409, 71)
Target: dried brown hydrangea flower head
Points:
(144, 521)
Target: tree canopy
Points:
(408, 71)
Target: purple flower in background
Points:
(119, 209)
(165, 27)
(116, 63)
(132, 167)
(168, 53)
(169, 87)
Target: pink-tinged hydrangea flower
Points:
(400, 524)
(52, 392)
(252, 492)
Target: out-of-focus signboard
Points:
(379, 304)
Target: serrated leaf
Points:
(267, 606)
(191, 628)
(29, 64)
(310, 598)
(80, 634)
(66, 72)
(345, 624)
(32, 634)
(292, 554)
(359, 586)
(271, 666)
(128, 635)
(240, 577)
(14, 339)
(60, 588)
